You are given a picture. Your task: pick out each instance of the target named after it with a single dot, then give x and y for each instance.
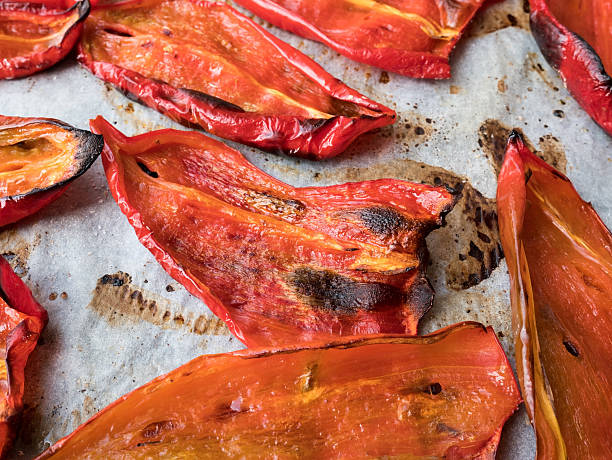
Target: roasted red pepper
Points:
(575, 37)
(278, 264)
(409, 37)
(22, 320)
(36, 35)
(559, 255)
(445, 395)
(227, 75)
(38, 158)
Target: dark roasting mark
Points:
(434, 389)
(120, 303)
(383, 221)
(118, 33)
(147, 171)
(213, 101)
(329, 291)
(571, 348)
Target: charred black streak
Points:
(383, 221)
(571, 348)
(329, 291)
(147, 171)
(433, 389)
(213, 101)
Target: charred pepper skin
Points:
(584, 72)
(231, 78)
(22, 320)
(39, 158)
(278, 264)
(413, 38)
(25, 55)
(444, 395)
(559, 256)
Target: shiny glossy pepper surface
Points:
(278, 264)
(575, 36)
(37, 35)
(38, 158)
(410, 37)
(205, 64)
(559, 255)
(445, 395)
(22, 320)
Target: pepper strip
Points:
(35, 36)
(22, 320)
(410, 37)
(278, 264)
(445, 395)
(38, 158)
(227, 75)
(559, 255)
(575, 38)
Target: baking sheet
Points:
(117, 320)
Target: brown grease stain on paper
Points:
(498, 16)
(16, 250)
(493, 136)
(118, 301)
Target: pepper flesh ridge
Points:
(575, 38)
(445, 395)
(38, 157)
(559, 255)
(22, 320)
(278, 264)
(37, 35)
(412, 38)
(229, 76)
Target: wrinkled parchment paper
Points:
(117, 320)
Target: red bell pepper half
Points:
(575, 37)
(559, 256)
(38, 158)
(278, 264)
(445, 395)
(22, 320)
(205, 64)
(410, 37)
(36, 35)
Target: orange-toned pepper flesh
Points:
(445, 395)
(410, 37)
(36, 35)
(38, 157)
(575, 36)
(278, 264)
(203, 63)
(559, 255)
(22, 320)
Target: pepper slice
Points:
(278, 264)
(445, 395)
(575, 38)
(38, 158)
(37, 35)
(22, 320)
(410, 37)
(559, 255)
(203, 63)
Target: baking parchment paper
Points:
(117, 320)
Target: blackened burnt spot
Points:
(434, 389)
(147, 171)
(528, 175)
(476, 252)
(330, 291)
(383, 221)
(213, 101)
(115, 280)
(571, 348)
(117, 32)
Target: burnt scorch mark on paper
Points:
(498, 16)
(16, 250)
(119, 302)
(493, 137)
(332, 292)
